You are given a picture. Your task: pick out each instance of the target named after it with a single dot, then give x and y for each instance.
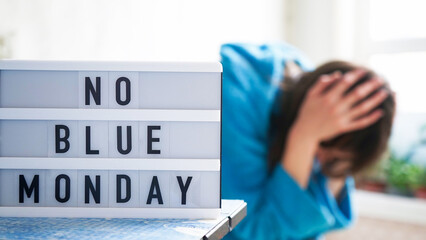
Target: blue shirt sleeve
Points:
(283, 210)
(341, 208)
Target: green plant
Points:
(403, 175)
(421, 181)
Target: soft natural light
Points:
(160, 30)
(405, 72)
(396, 19)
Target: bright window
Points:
(406, 73)
(397, 19)
(395, 46)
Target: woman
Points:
(290, 145)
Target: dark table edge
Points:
(228, 224)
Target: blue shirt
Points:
(277, 207)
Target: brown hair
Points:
(366, 144)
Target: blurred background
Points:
(387, 35)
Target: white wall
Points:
(324, 29)
(151, 30)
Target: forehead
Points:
(337, 153)
(336, 161)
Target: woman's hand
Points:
(326, 113)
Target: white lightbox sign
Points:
(110, 139)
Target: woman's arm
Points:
(335, 185)
(304, 148)
(299, 154)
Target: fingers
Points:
(368, 105)
(347, 81)
(362, 91)
(325, 81)
(365, 121)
